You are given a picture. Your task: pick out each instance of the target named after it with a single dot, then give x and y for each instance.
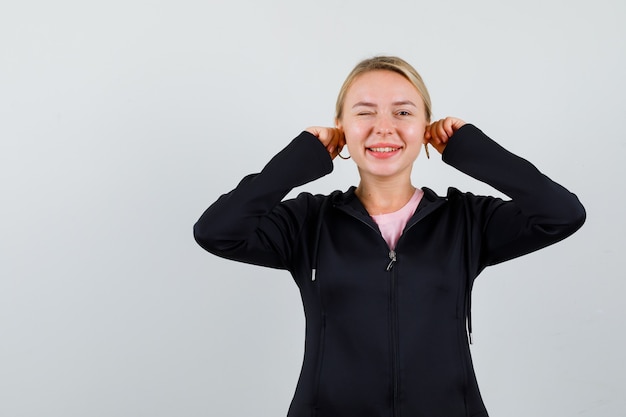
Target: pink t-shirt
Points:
(391, 225)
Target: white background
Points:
(121, 121)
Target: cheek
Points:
(415, 132)
(351, 143)
(355, 133)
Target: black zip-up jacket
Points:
(386, 331)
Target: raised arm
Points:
(540, 212)
(251, 223)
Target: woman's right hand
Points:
(332, 138)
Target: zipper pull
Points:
(392, 256)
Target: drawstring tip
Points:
(471, 339)
(313, 274)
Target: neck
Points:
(382, 197)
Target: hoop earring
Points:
(426, 149)
(345, 158)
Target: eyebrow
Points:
(395, 103)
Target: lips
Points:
(383, 150)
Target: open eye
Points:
(403, 113)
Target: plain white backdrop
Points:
(121, 121)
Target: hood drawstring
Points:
(314, 267)
(469, 283)
(316, 244)
(468, 312)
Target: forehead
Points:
(382, 85)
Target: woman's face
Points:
(383, 122)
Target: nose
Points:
(384, 126)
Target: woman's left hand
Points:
(438, 133)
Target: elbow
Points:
(212, 238)
(577, 215)
(581, 218)
(203, 237)
(563, 222)
(572, 219)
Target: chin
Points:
(385, 173)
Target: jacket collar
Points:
(349, 203)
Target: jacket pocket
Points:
(318, 366)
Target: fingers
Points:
(439, 132)
(332, 138)
(340, 141)
(447, 127)
(443, 129)
(435, 133)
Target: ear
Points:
(338, 124)
(425, 138)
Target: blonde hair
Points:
(389, 63)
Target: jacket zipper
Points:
(393, 315)
(394, 334)
(393, 306)
(394, 322)
(392, 257)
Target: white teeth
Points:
(383, 149)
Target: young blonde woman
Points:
(385, 269)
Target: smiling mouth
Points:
(383, 150)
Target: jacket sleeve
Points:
(540, 212)
(251, 223)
